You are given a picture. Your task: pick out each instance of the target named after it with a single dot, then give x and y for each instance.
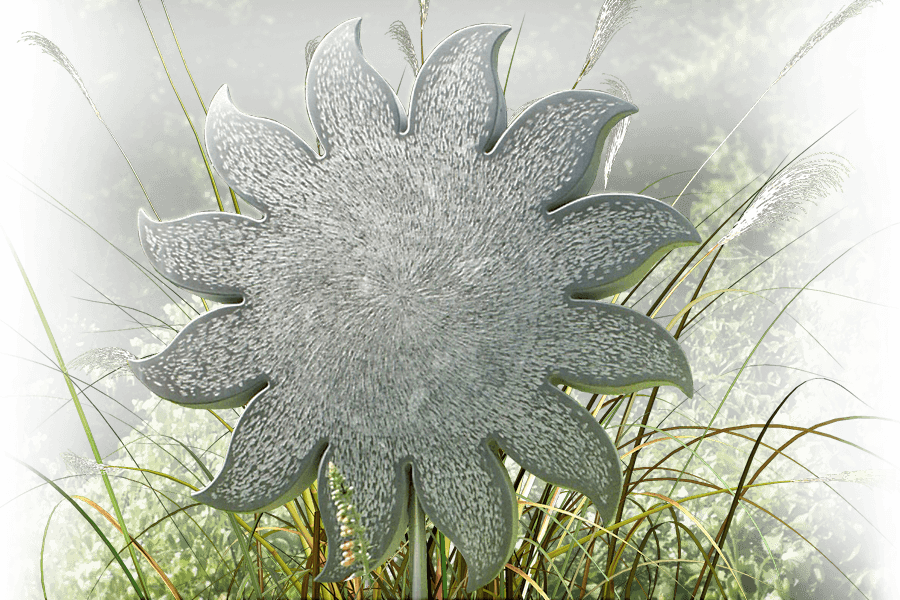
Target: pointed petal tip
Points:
(145, 221)
(682, 378)
(139, 368)
(620, 108)
(352, 26)
(135, 364)
(207, 496)
(222, 95)
(333, 572)
(481, 577)
(203, 495)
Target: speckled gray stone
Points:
(408, 300)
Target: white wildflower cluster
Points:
(354, 546)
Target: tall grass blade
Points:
(528, 580)
(53, 51)
(845, 14)
(805, 180)
(617, 88)
(703, 530)
(166, 581)
(740, 486)
(209, 172)
(613, 16)
(232, 519)
(78, 407)
(154, 278)
(234, 202)
(93, 525)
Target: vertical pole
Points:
(417, 545)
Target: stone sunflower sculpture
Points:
(411, 298)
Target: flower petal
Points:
(458, 100)
(272, 457)
(609, 241)
(261, 159)
(605, 348)
(556, 439)
(203, 253)
(351, 107)
(211, 363)
(380, 496)
(551, 152)
(467, 494)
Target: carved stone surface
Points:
(410, 298)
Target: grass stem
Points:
(84, 422)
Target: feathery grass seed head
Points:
(851, 10)
(34, 38)
(400, 34)
(423, 10)
(617, 88)
(85, 467)
(113, 361)
(806, 180)
(614, 15)
(866, 477)
(52, 50)
(311, 46)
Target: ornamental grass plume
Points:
(114, 361)
(614, 15)
(867, 477)
(84, 467)
(423, 10)
(806, 180)
(33, 38)
(617, 88)
(836, 22)
(310, 49)
(400, 34)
